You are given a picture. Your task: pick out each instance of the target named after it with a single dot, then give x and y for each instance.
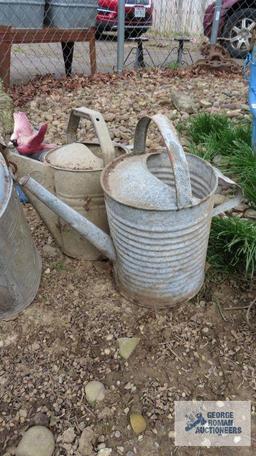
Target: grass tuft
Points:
(232, 245)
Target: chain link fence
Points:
(37, 36)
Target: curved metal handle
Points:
(100, 127)
(175, 151)
(233, 202)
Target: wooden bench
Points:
(67, 37)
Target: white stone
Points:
(105, 452)
(95, 391)
(37, 441)
(127, 346)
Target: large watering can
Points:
(72, 173)
(159, 207)
(20, 264)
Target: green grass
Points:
(232, 244)
(241, 165)
(215, 135)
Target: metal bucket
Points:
(159, 216)
(20, 264)
(80, 189)
(71, 14)
(22, 13)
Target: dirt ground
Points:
(200, 350)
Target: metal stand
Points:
(139, 56)
(180, 51)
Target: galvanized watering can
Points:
(20, 264)
(72, 172)
(159, 207)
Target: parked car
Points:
(138, 16)
(238, 17)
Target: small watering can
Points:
(20, 263)
(72, 173)
(159, 207)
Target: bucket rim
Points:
(107, 170)
(88, 144)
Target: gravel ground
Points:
(68, 336)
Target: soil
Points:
(68, 336)
(57, 345)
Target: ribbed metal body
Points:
(22, 13)
(161, 254)
(71, 13)
(20, 264)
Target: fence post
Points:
(216, 21)
(120, 36)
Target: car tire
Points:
(242, 20)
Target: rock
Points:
(138, 423)
(109, 117)
(241, 207)
(250, 213)
(173, 115)
(105, 452)
(95, 392)
(68, 436)
(37, 441)
(171, 434)
(41, 419)
(183, 102)
(86, 442)
(217, 160)
(49, 251)
(232, 114)
(205, 104)
(127, 346)
(244, 107)
(219, 199)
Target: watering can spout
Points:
(87, 229)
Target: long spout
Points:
(86, 228)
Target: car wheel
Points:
(238, 30)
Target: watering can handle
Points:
(175, 151)
(100, 127)
(231, 203)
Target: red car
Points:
(138, 16)
(238, 17)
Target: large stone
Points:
(37, 441)
(184, 103)
(95, 391)
(127, 346)
(138, 423)
(86, 442)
